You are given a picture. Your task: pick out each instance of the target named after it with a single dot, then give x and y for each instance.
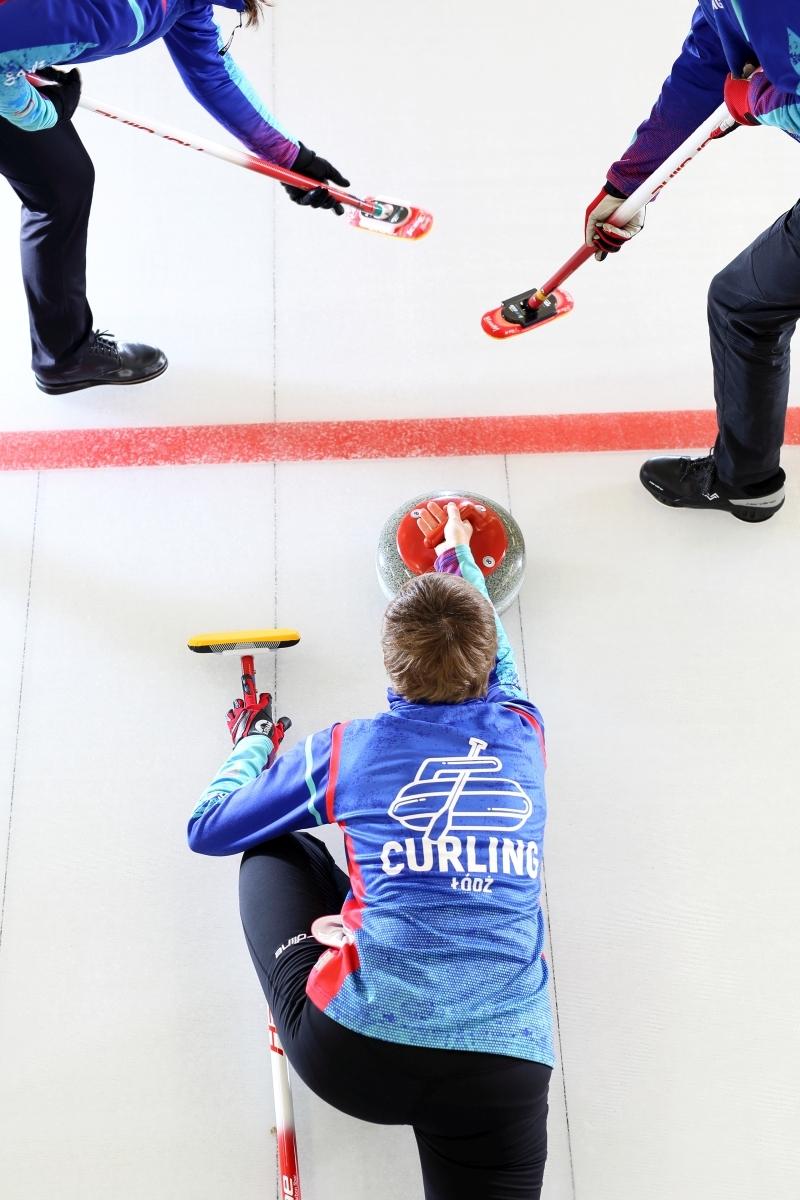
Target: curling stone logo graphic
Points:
(461, 794)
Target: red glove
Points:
(244, 719)
(737, 98)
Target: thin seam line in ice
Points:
(19, 709)
(545, 891)
(274, 89)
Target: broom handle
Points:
(239, 158)
(288, 1171)
(249, 691)
(718, 123)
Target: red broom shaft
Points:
(571, 265)
(249, 692)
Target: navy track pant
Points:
(480, 1120)
(753, 306)
(53, 176)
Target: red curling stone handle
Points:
(489, 541)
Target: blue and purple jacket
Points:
(43, 33)
(443, 809)
(725, 34)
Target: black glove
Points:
(66, 95)
(310, 164)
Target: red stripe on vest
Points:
(333, 771)
(329, 973)
(331, 970)
(353, 910)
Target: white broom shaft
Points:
(239, 158)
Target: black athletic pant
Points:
(753, 306)
(480, 1120)
(53, 176)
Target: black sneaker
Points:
(105, 360)
(693, 483)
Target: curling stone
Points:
(497, 545)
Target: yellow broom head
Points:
(243, 641)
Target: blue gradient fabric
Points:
(724, 36)
(442, 807)
(43, 33)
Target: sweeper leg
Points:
(753, 306)
(53, 176)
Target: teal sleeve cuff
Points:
(245, 762)
(26, 107)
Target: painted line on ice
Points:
(315, 441)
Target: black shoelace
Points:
(703, 468)
(105, 343)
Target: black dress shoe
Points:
(694, 483)
(105, 360)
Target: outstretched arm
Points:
(691, 92)
(194, 43)
(245, 804)
(454, 557)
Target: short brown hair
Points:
(439, 640)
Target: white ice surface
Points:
(662, 647)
